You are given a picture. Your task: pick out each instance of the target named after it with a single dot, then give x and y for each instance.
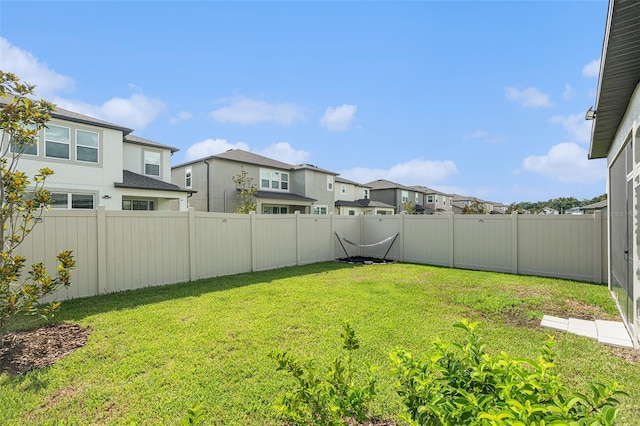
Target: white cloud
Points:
(568, 163)
(30, 70)
(578, 129)
(529, 97)
(568, 92)
(210, 147)
(180, 117)
(483, 136)
(136, 112)
(339, 118)
(592, 69)
(249, 111)
(283, 151)
(413, 172)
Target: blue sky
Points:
(479, 98)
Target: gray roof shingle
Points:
(137, 140)
(283, 196)
(136, 181)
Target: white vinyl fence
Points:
(117, 250)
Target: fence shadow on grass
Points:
(76, 309)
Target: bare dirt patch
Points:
(23, 351)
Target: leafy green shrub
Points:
(329, 397)
(462, 384)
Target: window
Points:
(151, 163)
(187, 177)
(271, 179)
(56, 141)
(429, 198)
(343, 189)
(275, 209)
(352, 212)
(320, 210)
(405, 196)
(444, 200)
(417, 198)
(26, 148)
(365, 194)
(61, 200)
(329, 183)
(87, 146)
(138, 205)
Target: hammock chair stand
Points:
(365, 259)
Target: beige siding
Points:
(428, 241)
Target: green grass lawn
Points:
(155, 352)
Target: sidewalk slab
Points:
(555, 323)
(583, 328)
(613, 333)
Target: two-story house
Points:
(97, 163)
(459, 202)
(434, 202)
(281, 188)
(396, 195)
(353, 198)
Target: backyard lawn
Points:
(153, 353)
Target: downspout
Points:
(208, 185)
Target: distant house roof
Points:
(426, 190)
(243, 156)
(595, 206)
(340, 179)
(146, 142)
(283, 196)
(387, 184)
(136, 181)
(619, 73)
(363, 203)
(312, 167)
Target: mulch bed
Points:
(23, 351)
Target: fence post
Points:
(514, 242)
(597, 247)
(298, 243)
(451, 239)
(402, 215)
(254, 247)
(101, 223)
(193, 273)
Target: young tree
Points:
(476, 207)
(408, 207)
(246, 191)
(22, 202)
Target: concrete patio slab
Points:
(583, 328)
(555, 322)
(612, 333)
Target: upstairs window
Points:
(26, 148)
(343, 189)
(429, 198)
(405, 196)
(329, 183)
(187, 177)
(365, 194)
(444, 200)
(87, 146)
(56, 141)
(151, 163)
(417, 198)
(273, 180)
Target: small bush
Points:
(462, 384)
(330, 396)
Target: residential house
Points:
(549, 210)
(97, 163)
(574, 210)
(461, 201)
(600, 206)
(281, 188)
(353, 198)
(434, 201)
(396, 195)
(615, 135)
